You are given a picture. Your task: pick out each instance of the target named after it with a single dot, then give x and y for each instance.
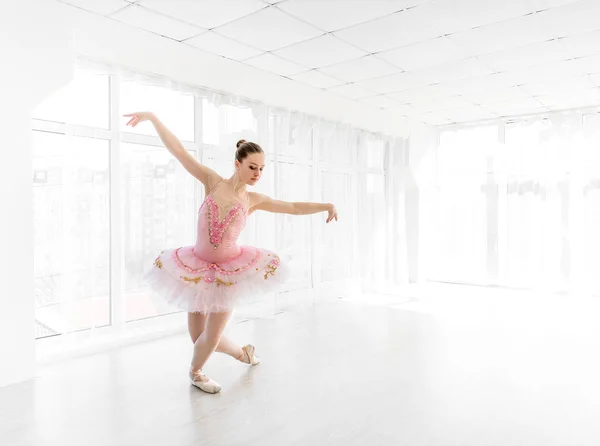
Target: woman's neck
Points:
(236, 184)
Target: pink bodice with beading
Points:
(217, 237)
(218, 231)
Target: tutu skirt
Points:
(187, 282)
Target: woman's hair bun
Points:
(240, 142)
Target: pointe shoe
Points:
(249, 353)
(204, 383)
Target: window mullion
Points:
(117, 301)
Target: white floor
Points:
(442, 365)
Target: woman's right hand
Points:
(331, 213)
(138, 117)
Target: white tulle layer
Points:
(184, 281)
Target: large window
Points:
(109, 198)
(518, 204)
(461, 238)
(158, 199)
(176, 109)
(71, 209)
(292, 228)
(334, 248)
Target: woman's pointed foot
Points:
(203, 382)
(249, 356)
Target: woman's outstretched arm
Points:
(262, 202)
(204, 174)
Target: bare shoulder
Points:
(256, 198)
(212, 179)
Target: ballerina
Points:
(209, 278)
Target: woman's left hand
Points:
(332, 211)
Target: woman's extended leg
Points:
(197, 325)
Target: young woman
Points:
(209, 278)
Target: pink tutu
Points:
(190, 283)
(216, 274)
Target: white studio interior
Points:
(452, 299)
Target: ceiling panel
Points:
(380, 101)
(419, 94)
(320, 52)
(504, 107)
(432, 52)
(392, 31)
(524, 112)
(269, 29)
(582, 45)
(549, 72)
(571, 100)
(565, 86)
(204, 13)
(360, 69)
(508, 34)
(317, 79)
(461, 69)
(545, 4)
(395, 82)
(141, 17)
(594, 78)
(352, 91)
(274, 64)
(104, 7)
(527, 56)
(573, 18)
(436, 118)
(479, 84)
(333, 15)
(441, 103)
(403, 109)
(496, 95)
(473, 113)
(214, 43)
(453, 16)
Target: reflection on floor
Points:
(438, 365)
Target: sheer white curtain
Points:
(537, 162)
(398, 179)
(335, 152)
(372, 209)
(525, 211)
(461, 217)
(584, 208)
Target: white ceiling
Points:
(438, 61)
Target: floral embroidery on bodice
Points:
(218, 233)
(216, 227)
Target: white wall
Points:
(36, 60)
(39, 40)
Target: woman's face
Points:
(251, 167)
